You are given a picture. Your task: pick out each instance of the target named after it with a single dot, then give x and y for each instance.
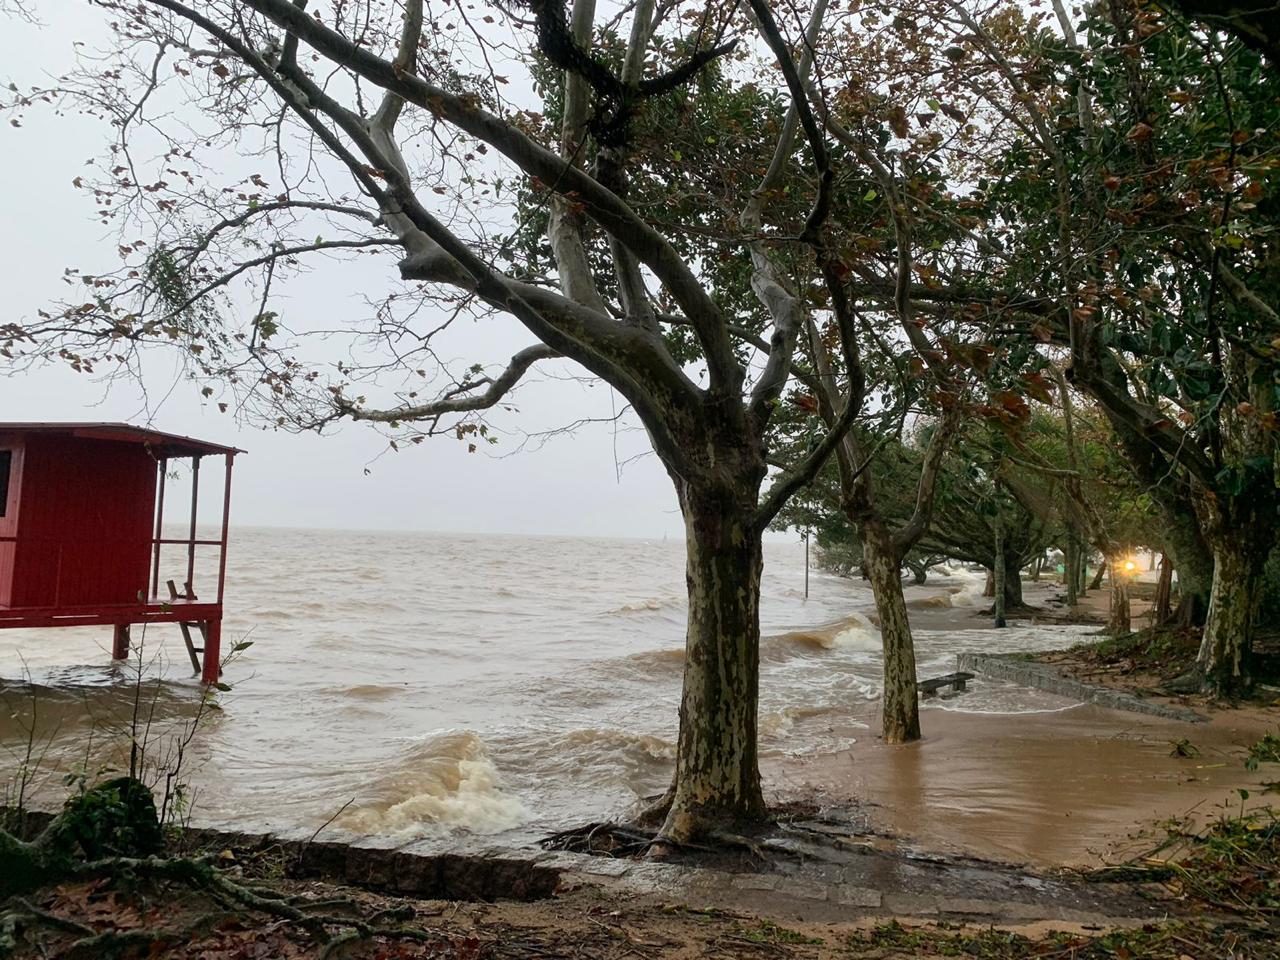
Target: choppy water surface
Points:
(477, 684)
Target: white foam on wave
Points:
(859, 635)
(445, 783)
(647, 605)
(969, 592)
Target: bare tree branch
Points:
(497, 390)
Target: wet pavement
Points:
(819, 871)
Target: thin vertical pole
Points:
(191, 541)
(155, 546)
(226, 516)
(806, 564)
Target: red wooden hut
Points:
(81, 514)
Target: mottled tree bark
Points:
(717, 777)
(999, 581)
(901, 708)
(1233, 609)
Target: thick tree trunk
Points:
(1097, 577)
(901, 710)
(1233, 608)
(1119, 624)
(999, 584)
(989, 588)
(1162, 604)
(1012, 588)
(717, 779)
(1194, 564)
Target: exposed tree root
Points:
(112, 832)
(603, 839)
(202, 875)
(633, 841)
(655, 811)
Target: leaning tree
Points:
(256, 139)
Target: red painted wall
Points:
(83, 521)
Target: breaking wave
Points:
(854, 633)
(446, 782)
(648, 605)
(606, 741)
(662, 661)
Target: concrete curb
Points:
(1043, 676)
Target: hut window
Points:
(6, 463)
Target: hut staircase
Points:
(194, 652)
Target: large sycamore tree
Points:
(254, 140)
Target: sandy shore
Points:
(1072, 787)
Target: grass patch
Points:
(1233, 866)
(766, 931)
(1224, 882)
(1162, 651)
(1266, 750)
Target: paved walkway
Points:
(1046, 677)
(822, 882)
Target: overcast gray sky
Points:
(569, 485)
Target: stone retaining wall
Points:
(1046, 677)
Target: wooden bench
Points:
(955, 681)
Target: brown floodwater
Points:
(1076, 787)
(460, 687)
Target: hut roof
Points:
(164, 444)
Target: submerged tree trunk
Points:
(1233, 609)
(901, 708)
(717, 779)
